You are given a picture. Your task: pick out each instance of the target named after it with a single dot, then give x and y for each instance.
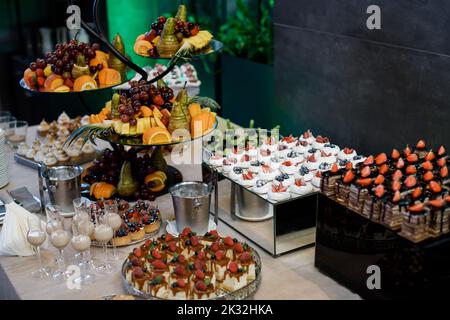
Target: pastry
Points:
(122, 237)
(255, 167)
(316, 179)
(302, 147)
(23, 149)
(283, 179)
(331, 148)
(279, 193)
(275, 162)
(236, 173)
(247, 179)
(295, 157)
(43, 128)
(63, 119)
(282, 151)
(290, 142)
(307, 137)
(88, 150)
(304, 173)
(75, 155)
(136, 230)
(346, 154)
(267, 173)
(300, 187)
(62, 156)
(265, 155)
(288, 167)
(312, 163)
(31, 153)
(261, 187)
(50, 160)
(320, 142)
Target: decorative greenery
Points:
(249, 34)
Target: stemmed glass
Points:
(81, 243)
(59, 238)
(113, 219)
(80, 206)
(103, 233)
(36, 237)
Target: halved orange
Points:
(156, 135)
(155, 183)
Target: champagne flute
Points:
(103, 234)
(114, 220)
(60, 238)
(80, 206)
(81, 243)
(87, 227)
(54, 222)
(36, 237)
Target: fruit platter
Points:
(141, 221)
(128, 175)
(75, 67)
(192, 267)
(172, 36)
(149, 115)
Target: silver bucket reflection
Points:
(191, 202)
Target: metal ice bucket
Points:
(191, 202)
(63, 185)
(251, 206)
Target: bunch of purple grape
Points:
(106, 168)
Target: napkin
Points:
(13, 236)
(26, 199)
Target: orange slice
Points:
(156, 135)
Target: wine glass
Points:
(103, 234)
(36, 237)
(60, 238)
(81, 243)
(86, 227)
(80, 206)
(113, 219)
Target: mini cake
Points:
(39, 156)
(283, 179)
(307, 137)
(325, 166)
(329, 179)
(244, 161)
(304, 173)
(74, 155)
(265, 155)
(63, 119)
(227, 166)
(327, 157)
(235, 278)
(261, 187)
(151, 220)
(312, 152)
(88, 150)
(300, 187)
(331, 148)
(415, 220)
(23, 149)
(288, 167)
(236, 173)
(247, 179)
(62, 157)
(31, 153)
(50, 160)
(36, 145)
(302, 147)
(343, 187)
(320, 142)
(255, 167)
(267, 173)
(137, 232)
(279, 193)
(312, 163)
(290, 142)
(346, 154)
(122, 237)
(295, 157)
(316, 180)
(43, 128)
(356, 160)
(282, 151)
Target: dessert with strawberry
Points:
(312, 162)
(122, 237)
(295, 157)
(346, 154)
(265, 155)
(244, 161)
(267, 173)
(247, 179)
(236, 173)
(316, 180)
(301, 147)
(279, 193)
(300, 187)
(288, 167)
(289, 141)
(283, 179)
(320, 142)
(282, 151)
(331, 148)
(261, 186)
(329, 179)
(275, 162)
(307, 136)
(304, 173)
(235, 277)
(255, 167)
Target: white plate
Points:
(172, 227)
(267, 217)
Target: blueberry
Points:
(279, 178)
(260, 183)
(237, 170)
(304, 170)
(312, 150)
(285, 176)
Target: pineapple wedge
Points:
(157, 113)
(140, 126)
(152, 121)
(133, 130)
(147, 123)
(125, 129)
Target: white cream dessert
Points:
(288, 167)
(300, 187)
(247, 179)
(36, 145)
(282, 151)
(244, 161)
(264, 155)
(317, 179)
(63, 119)
(43, 128)
(251, 151)
(50, 160)
(261, 187)
(307, 136)
(357, 160)
(267, 173)
(320, 142)
(302, 147)
(236, 173)
(63, 132)
(327, 157)
(295, 157)
(275, 163)
(312, 151)
(88, 149)
(216, 161)
(331, 148)
(325, 166)
(271, 144)
(234, 154)
(279, 193)
(39, 156)
(255, 167)
(312, 163)
(227, 165)
(289, 142)
(283, 179)
(346, 154)
(85, 120)
(304, 173)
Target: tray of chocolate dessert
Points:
(192, 267)
(140, 221)
(275, 182)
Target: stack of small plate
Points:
(3, 161)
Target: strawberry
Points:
(40, 81)
(364, 182)
(334, 168)
(201, 255)
(411, 169)
(349, 176)
(181, 258)
(307, 134)
(365, 172)
(396, 185)
(348, 151)
(444, 172)
(395, 154)
(427, 165)
(138, 272)
(349, 166)
(397, 175)
(442, 162)
(40, 73)
(245, 256)
(179, 271)
(199, 265)
(228, 241)
(407, 151)
(379, 191)
(214, 233)
(220, 255)
(369, 161)
(379, 180)
(417, 208)
(421, 145)
(410, 181)
(169, 237)
(430, 156)
(136, 262)
(287, 164)
(247, 176)
(137, 252)
(158, 100)
(312, 158)
(181, 283)
(172, 246)
(233, 267)
(201, 286)
(437, 203)
(200, 275)
(396, 197)
(412, 158)
(215, 247)
(194, 241)
(441, 151)
(400, 163)
(299, 183)
(318, 174)
(156, 254)
(383, 169)
(435, 187)
(447, 199)
(380, 159)
(158, 264)
(186, 232)
(428, 176)
(147, 243)
(238, 248)
(417, 192)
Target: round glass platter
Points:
(241, 294)
(215, 46)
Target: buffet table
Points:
(291, 276)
